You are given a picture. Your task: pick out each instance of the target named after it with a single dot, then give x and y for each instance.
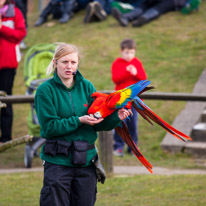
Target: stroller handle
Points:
(34, 85)
(37, 82)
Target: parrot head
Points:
(99, 108)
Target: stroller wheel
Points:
(28, 156)
(36, 154)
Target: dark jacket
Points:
(179, 3)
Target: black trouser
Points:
(6, 84)
(57, 9)
(68, 186)
(53, 7)
(161, 6)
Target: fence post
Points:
(106, 150)
(40, 5)
(2, 105)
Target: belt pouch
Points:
(79, 152)
(63, 147)
(50, 147)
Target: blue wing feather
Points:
(135, 90)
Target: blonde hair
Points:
(61, 50)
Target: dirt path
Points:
(132, 170)
(123, 170)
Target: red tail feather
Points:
(124, 133)
(142, 113)
(148, 112)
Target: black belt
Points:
(90, 146)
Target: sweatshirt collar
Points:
(78, 78)
(123, 60)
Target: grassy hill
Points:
(171, 48)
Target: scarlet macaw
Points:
(104, 105)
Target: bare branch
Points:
(15, 142)
(3, 93)
(2, 105)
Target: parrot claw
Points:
(97, 115)
(131, 115)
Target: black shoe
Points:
(40, 21)
(148, 16)
(130, 152)
(139, 22)
(99, 11)
(119, 17)
(64, 19)
(89, 13)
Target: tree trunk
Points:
(106, 150)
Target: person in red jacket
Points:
(12, 31)
(127, 70)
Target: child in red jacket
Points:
(127, 70)
(12, 31)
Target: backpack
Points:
(123, 7)
(190, 6)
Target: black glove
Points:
(100, 172)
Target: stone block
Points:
(199, 132)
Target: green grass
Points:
(172, 50)
(151, 190)
(143, 190)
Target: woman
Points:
(12, 31)
(61, 105)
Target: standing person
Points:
(22, 5)
(69, 152)
(127, 70)
(12, 31)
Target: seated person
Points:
(147, 11)
(61, 9)
(97, 10)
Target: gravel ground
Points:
(124, 170)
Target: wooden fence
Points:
(106, 138)
(21, 99)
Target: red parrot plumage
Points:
(104, 105)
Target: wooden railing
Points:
(21, 99)
(106, 138)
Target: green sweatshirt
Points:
(58, 109)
